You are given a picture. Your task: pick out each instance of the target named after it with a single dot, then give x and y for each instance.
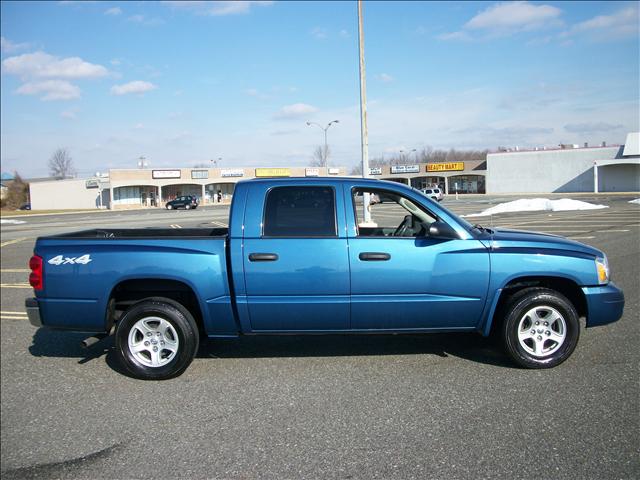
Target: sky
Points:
(185, 83)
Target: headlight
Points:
(602, 267)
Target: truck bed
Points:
(151, 232)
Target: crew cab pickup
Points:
(315, 256)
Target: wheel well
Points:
(566, 287)
(128, 292)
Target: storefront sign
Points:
(166, 174)
(273, 172)
(334, 171)
(92, 183)
(232, 172)
(445, 167)
(405, 168)
(375, 171)
(312, 172)
(199, 174)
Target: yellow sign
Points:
(273, 172)
(444, 167)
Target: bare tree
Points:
(61, 164)
(320, 155)
(17, 193)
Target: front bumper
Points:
(604, 304)
(33, 311)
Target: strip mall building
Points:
(567, 169)
(135, 188)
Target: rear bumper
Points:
(604, 304)
(33, 312)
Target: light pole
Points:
(324, 129)
(408, 154)
(142, 162)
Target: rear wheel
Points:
(156, 339)
(187, 207)
(169, 207)
(540, 329)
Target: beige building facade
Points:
(153, 187)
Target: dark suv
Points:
(186, 201)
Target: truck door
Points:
(401, 278)
(296, 263)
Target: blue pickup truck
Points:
(316, 256)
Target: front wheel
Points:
(156, 339)
(169, 207)
(187, 207)
(540, 329)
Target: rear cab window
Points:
(300, 211)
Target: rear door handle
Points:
(374, 256)
(263, 257)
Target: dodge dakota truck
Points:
(315, 256)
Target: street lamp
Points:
(408, 155)
(142, 162)
(324, 129)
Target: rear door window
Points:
(300, 212)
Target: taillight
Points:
(35, 279)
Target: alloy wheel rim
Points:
(153, 342)
(542, 331)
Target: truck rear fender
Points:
(130, 291)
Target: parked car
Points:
(186, 201)
(25, 206)
(434, 193)
(295, 260)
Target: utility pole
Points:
(364, 131)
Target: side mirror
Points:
(440, 229)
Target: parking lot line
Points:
(14, 270)
(15, 285)
(8, 317)
(11, 242)
(13, 313)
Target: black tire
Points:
(539, 300)
(169, 207)
(181, 322)
(187, 207)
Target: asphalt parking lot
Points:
(439, 406)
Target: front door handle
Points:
(263, 257)
(374, 256)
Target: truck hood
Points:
(534, 241)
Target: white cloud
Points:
(113, 11)
(385, 78)
(52, 89)
(70, 114)
(514, 16)
(217, 8)
(7, 46)
(43, 65)
(460, 35)
(592, 127)
(137, 86)
(319, 33)
(115, 62)
(253, 92)
(344, 34)
(138, 126)
(621, 24)
(508, 18)
(146, 21)
(296, 110)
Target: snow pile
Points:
(537, 204)
(15, 222)
(637, 200)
